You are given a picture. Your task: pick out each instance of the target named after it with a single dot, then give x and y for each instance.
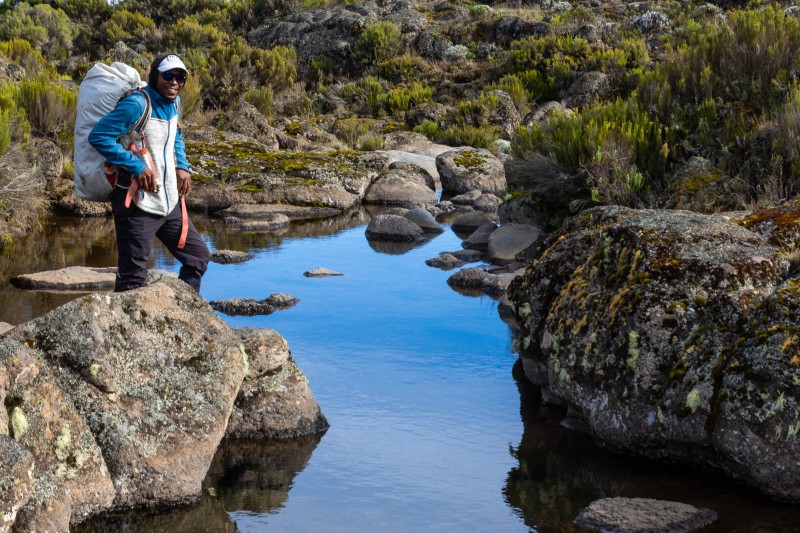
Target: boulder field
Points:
(119, 401)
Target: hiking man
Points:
(152, 178)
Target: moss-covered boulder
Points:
(468, 169)
(673, 333)
(232, 169)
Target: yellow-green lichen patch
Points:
(693, 400)
(19, 423)
(469, 159)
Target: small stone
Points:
(321, 272)
(226, 257)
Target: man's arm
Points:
(108, 129)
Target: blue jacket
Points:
(164, 141)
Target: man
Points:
(152, 178)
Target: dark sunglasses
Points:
(180, 78)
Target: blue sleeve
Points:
(108, 129)
(180, 148)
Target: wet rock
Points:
(403, 184)
(495, 285)
(445, 261)
(511, 239)
(228, 257)
(469, 222)
(393, 228)
(468, 278)
(321, 272)
(275, 400)
(242, 307)
(422, 218)
(16, 480)
(154, 373)
(640, 515)
(472, 168)
(479, 239)
(282, 300)
(468, 256)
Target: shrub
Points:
(351, 130)
(515, 89)
(403, 98)
(45, 28)
(404, 68)
(370, 141)
(50, 108)
(378, 42)
(191, 96)
(468, 135)
(128, 27)
(21, 52)
(261, 99)
(476, 111)
(188, 33)
(428, 128)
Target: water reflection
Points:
(245, 476)
(560, 471)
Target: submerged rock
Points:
(227, 257)
(321, 272)
(643, 515)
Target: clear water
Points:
(427, 432)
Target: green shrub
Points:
(188, 33)
(45, 28)
(21, 52)
(128, 27)
(370, 141)
(374, 97)
(50, 108)
(404, 68)
(261, 99)
(9, 93)
(401, 99)
(468, 135)
(476, 111)
(379, 42)
(191, 95)
(428, 128)
(515, 89)
(350, 130)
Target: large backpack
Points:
(99, 93)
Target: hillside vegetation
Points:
(666, 104)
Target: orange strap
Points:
(131, 192)
(184, 224)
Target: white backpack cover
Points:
(99, 92)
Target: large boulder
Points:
(673, 333)
(403, 184)
(467, 169)
(393, 228)
(153, 373)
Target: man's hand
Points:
(184, 181)
(148, 180)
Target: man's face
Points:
(169, 88)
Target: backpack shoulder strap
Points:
(141, 123)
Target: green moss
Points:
(469, 159)
(19, 423)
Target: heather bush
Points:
(350, 130)
(261, 99)
(428, 128)
(21, 52)
(129, 27)
(512, 85)
(378, 42)
(401, 99)
(469, 135)
(45, 28)
(404, 68)
(50, 109)
(188, 33)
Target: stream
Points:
(430, 431)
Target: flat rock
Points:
(321, 272)
(242, 307)
(272, 222)
(445, 261)
(293, 212)
(79, 278)
(227, 257)
(643, 515)
(428, 162)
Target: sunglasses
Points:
(168, 76)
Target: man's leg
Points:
(193, 257)
(135, 231)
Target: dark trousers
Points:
(135, 232)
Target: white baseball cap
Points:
(170, 62)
